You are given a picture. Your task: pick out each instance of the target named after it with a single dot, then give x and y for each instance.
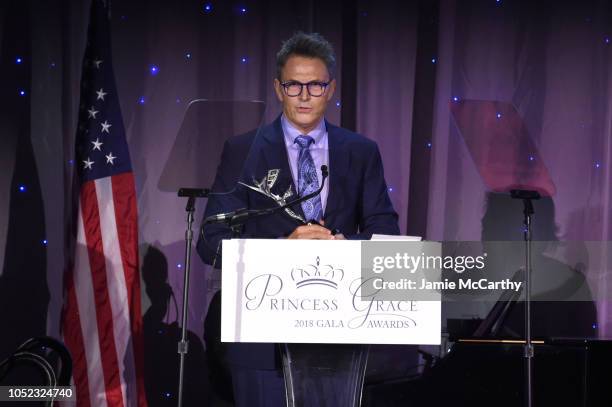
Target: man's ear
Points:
(331, 88)
(278, 90)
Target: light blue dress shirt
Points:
(319, 151)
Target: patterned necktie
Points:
(307, 179)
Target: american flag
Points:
(102, 322)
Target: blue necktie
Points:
(307, 179)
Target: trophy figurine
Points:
(264, 187)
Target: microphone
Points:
(236, 217)
(324, 172)
(222, 217)
(241, 215)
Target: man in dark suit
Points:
(353, 205)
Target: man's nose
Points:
(304, 96)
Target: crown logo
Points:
(317, 274)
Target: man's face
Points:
(304, 111)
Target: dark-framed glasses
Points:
(295, 88)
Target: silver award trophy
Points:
(264, 187)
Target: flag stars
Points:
(97, 144)
(105, 126)
(87, 164)
(92, 113)
(101, 94)
(110, 159)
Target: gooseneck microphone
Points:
(240, 216)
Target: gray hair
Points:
(311, 45)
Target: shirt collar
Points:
(290, 132)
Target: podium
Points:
(313, 299)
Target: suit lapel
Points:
(338, 166)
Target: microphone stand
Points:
(183, 345)
(527, 197)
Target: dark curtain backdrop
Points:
(401, 66)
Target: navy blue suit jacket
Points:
(358, 204)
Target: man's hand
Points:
(312, 231)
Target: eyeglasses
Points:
(295, 88)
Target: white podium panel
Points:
(308, 291)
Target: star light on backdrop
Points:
(154, 69)
(18, 60)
